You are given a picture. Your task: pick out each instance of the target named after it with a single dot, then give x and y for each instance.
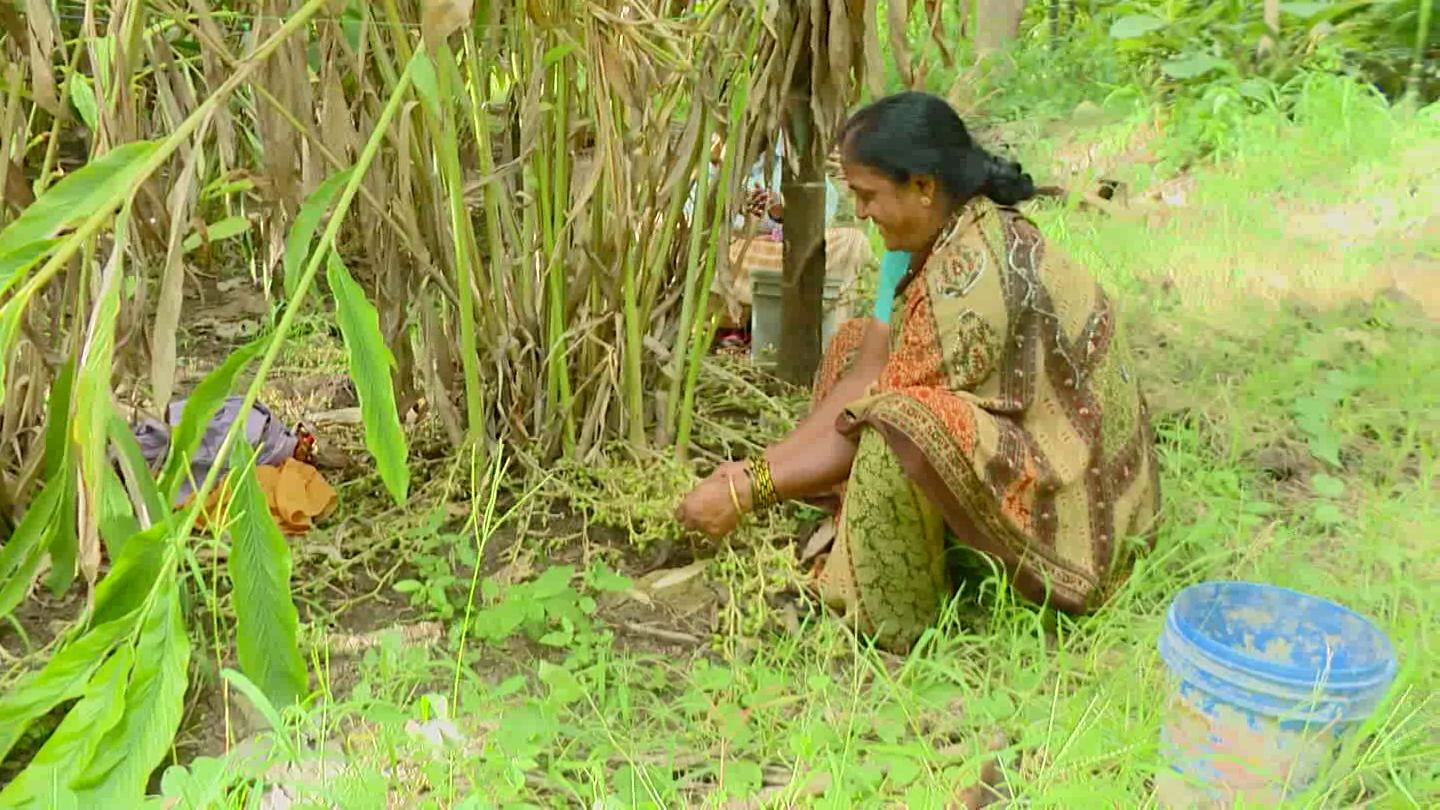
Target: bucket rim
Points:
(1356, 677)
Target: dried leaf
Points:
(899, 20)
(820, 541)
(93, 400)
(441, 18)
(41, 24)
(172, 281)
(667, 578)
(842, 49)
(336, 123)
(874, 56)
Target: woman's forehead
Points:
(858, 174)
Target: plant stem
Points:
(1417, 62)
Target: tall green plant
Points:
(127, 659)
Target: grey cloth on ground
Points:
(275, 441)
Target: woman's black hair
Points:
(915, 134)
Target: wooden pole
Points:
(802, 184)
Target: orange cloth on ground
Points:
(296, 492)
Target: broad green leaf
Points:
(103, 181)
(15, 264)
(1324, 12)
(20, 557)
(200, 408)
(58, 465)
(220, 230)
(266, 623)
(427, 84)
(57, 419)
(742, 777)
(1192, 66)
(133, 574)
(154, 702)
(602, 578)
(1304, 10)
(198, 786)
(370, 366)
(115, 514)
(224, 187)
(552, 583)
(1258, 89)
(557, 53)
(1328, 514)
(82, 95)
(144, 494)
(564, 686)
(1327, 486)
(1133, 26)
(62, 678)
(1326, 447)
(62, 542)
(74, 742)
(302, 230)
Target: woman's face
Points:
(903, 212)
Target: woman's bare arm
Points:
(814, 458)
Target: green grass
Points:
(558, 704)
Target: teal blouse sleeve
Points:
(892, 268)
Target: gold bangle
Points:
(763, 495)
(734, 496)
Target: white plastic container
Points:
(766, 319)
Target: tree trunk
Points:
(997, 24)
(802, 186)
(1271, 11)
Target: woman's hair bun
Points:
(1006, 183)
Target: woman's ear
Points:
(926, 187)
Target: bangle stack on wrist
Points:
(763, 496)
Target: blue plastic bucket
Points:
(1265, 682)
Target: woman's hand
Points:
(758, 202)
(710, 507)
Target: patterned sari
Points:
(1006, 420)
